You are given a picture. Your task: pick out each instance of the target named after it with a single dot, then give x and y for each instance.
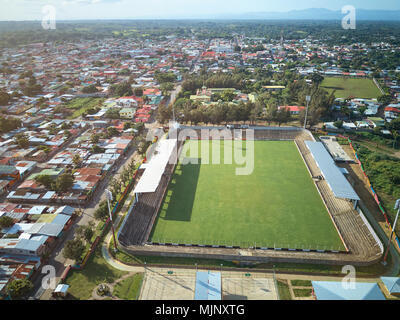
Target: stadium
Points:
(295, 206)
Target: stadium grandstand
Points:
(362, 245)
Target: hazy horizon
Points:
(31, 10)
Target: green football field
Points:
(349, 87)
(277, 205)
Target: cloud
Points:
(67, 2)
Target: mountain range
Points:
(313, 14)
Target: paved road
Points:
(174, 94)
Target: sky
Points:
(131, 9)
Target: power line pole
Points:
(109, 197)
(308, 99)
(397, 206)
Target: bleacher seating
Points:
(139, 224)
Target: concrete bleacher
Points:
(350, 225)
(138, 225)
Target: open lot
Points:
(277, 205)
(346, 87)
(81, 105)
(161, 284)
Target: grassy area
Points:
(277, 205)
(301, 283)
(129, 288)
(366, 271)
(96, 271)
(302, 292)
(283, 290)
(348, 87)
(129, 259)
(81, 105)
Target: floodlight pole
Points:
(308, 99)
(397, 206)
(109, 198)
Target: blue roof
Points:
(333, 175)
(61, 219)
(30, 245)
(332, 290)
(392, 284)
(208, 286)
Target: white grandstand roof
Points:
(155, 168)
(333, 175)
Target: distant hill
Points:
(317, 14)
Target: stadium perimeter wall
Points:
(356, 256)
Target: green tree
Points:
(127, 125)
(102, 211)
(74, 249)
(166, 87)
(4, 98)
(6, 222)
(76, 160)
(394, 124)
(22, 140)
(112, 132)
(385, 99)
(317, 78)
(19, 288)
(96, 149)
(64, 182)
(8, 124)
(122, 89)
(112, 113)
(45, 180)
(138, 92)
(227, 95)
(95, 138)
(89, 89)
(164, 114)
(338, 124)
(85, 232)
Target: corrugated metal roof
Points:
(392, 284)
(29, 245)
(208, 286)
(50, 229)
(65, 210)
(61, 219)
(333, 175)
(37, 209)
(335, 290)
(156, 167)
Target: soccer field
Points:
(346, 87)
(277, 206)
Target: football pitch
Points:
(349, 87)
(277, 206)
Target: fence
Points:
(258, 245)
(375, 195)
